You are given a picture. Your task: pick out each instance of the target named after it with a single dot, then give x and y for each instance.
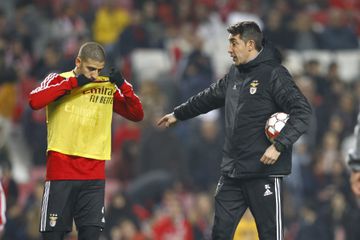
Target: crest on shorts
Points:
(267, 190)
(53, 218)
(253, 86)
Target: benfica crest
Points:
(253, 86)
(53, 218)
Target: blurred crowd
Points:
(160, 183)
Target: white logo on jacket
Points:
(253, 86)
(53, 218)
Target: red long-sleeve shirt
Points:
(66, 167)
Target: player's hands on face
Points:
(355, 183)
(82, 80)
(116, 77)
(168, 120)
(270, 156)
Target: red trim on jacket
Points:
(127, 103)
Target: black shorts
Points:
(262, 196)
(67, 200)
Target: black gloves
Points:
(116, 77)
(82, 80)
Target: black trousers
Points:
(263, 196)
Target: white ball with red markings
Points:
(275, 124)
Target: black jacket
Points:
(354, 156)
(251, 93)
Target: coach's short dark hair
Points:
(248, 30)
(93, 51)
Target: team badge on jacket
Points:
(253, 86)
(53, 218)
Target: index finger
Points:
(162, 120)
(262, 159)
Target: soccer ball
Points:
(274, 124)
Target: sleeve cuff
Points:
(279, 146)
(176, 114)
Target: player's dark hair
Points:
(247, 30)
(93, 51)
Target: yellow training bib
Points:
(79, 123)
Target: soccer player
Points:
(252, 168)
(354, 161)
(79, 107)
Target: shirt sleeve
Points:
(50, 89)
(209, 99)
(127, 103)
(291, 100)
